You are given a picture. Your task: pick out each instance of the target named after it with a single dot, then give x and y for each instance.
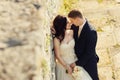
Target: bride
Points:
(64, 52)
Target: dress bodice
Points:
(67, 51)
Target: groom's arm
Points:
(91, 40)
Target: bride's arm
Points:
(58, 56)
(57, 53)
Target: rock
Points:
(116, 65)
(117, 75)
(105, 40)
(104, 57)
(118, 1)
(105, 73)
(114, 50)
(37, 6)
(24, 25)
(2, 45)
(116, 61)
(13, 42)
(117, 34)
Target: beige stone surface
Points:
(117, 74)
(105, 40)
(104, 57)
(17, 56)
(25, 39)
(116, 60)
(17, 64)
(117, 34)
(114, 51)
(105, 73)
(45, 56)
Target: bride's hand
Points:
(72, 65)
(69, 70)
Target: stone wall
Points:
(46, 58)
(25, 39)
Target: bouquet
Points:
(77, 73)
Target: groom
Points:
(85, 42)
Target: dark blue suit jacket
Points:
(85, 44)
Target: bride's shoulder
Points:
(56, 40)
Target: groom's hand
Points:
(72, 65)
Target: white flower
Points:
(76, 73)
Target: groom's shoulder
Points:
(91, 28)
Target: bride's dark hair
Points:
(59, 25)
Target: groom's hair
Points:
(75, 13)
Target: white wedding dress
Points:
(68, 55)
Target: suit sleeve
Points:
(91, 40)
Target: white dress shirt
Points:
(81, 27)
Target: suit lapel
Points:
(75, 32)
(83, 30)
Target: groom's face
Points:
(75, 21)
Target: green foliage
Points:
(47, 42)
(117, 46)
(100, 1)
(99, 29)
(44, 66)
(67, 6)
